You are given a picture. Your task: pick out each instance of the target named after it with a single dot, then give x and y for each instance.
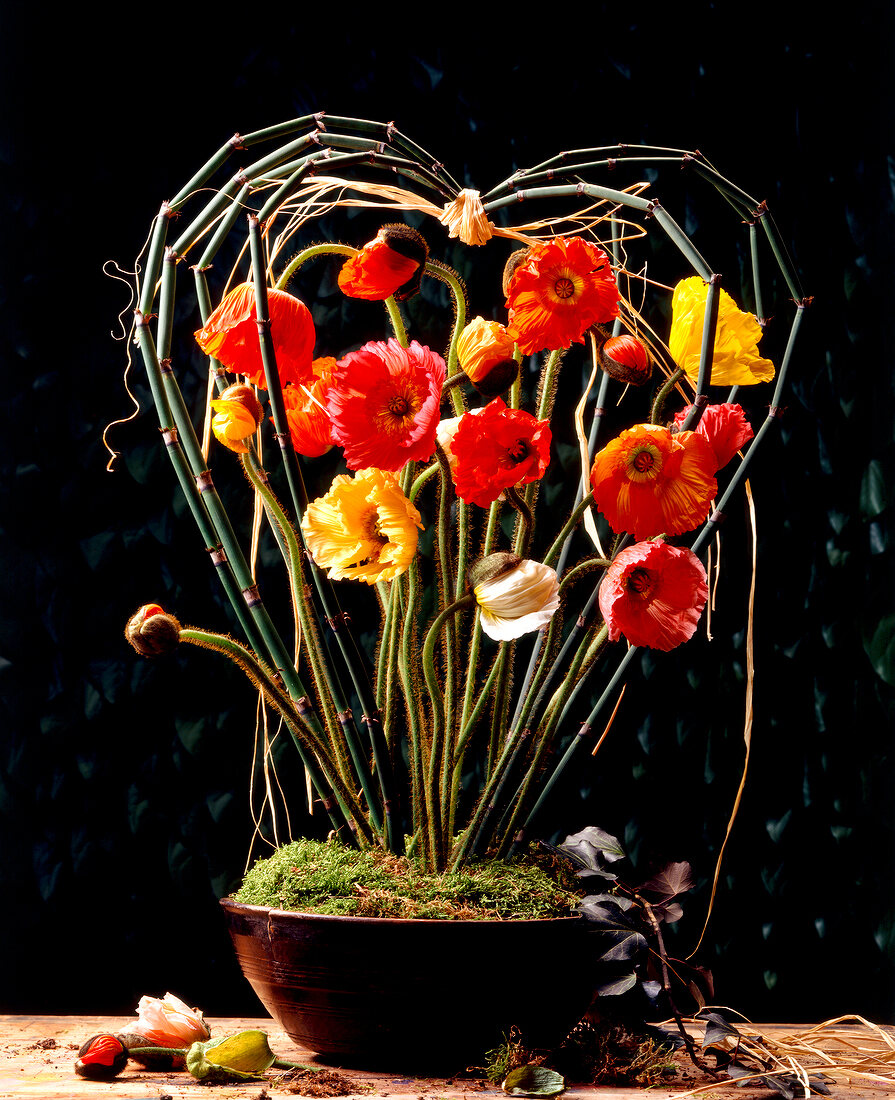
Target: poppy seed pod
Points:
(101, 1057)
(626, 359)
(152, 631)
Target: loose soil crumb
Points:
(322, 1082)
(43, 1044)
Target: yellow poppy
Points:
(363, 529)
(735, 361)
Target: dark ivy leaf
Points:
(616, 986)
(716, 1029)
(785, 1086)
(605, 910)
(626, 946)
(591, 850)
(667, 883)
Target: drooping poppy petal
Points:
(653, 595)
(557, 291)
(230, 335)
(735, 359)
(391, 264)
(725, 427)
(497, 448)
(485, 350)
(383, 402)
(519, 596)
(309, 423)
(650, 482)
(363, 529)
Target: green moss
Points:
(314, 877)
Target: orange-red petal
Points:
(650, 482)
(561, 288)
(230, 335)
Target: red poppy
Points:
(497, 448)
(557, 291)
(650, 482)
(653, 594)
(309, 423)
(230, 335)
(725, 427)
(392, 263)
(383, 403)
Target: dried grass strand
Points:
(747, 725)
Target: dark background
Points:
(123, 809)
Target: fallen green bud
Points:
(241, 1057)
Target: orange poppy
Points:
(653, 595)
(557, 291)
(650, 482)
(309, 424)
(392, 263)
(230, 335)
(485, 350)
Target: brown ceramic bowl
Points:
(400, 993)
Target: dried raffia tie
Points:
(465, 218)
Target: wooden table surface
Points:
(37, 1055)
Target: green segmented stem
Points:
(307, 731)
(577, 743)
(329, 690)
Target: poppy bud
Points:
(485, 350)
(152, 631)
(101, 1057)
(391, 264)
(491, 567)
(626, 359)
(241, 1057)
(515, 259)
(237, 415)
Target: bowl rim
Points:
(230, 905)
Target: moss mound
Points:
(314, 877)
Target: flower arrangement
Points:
(514, 583)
